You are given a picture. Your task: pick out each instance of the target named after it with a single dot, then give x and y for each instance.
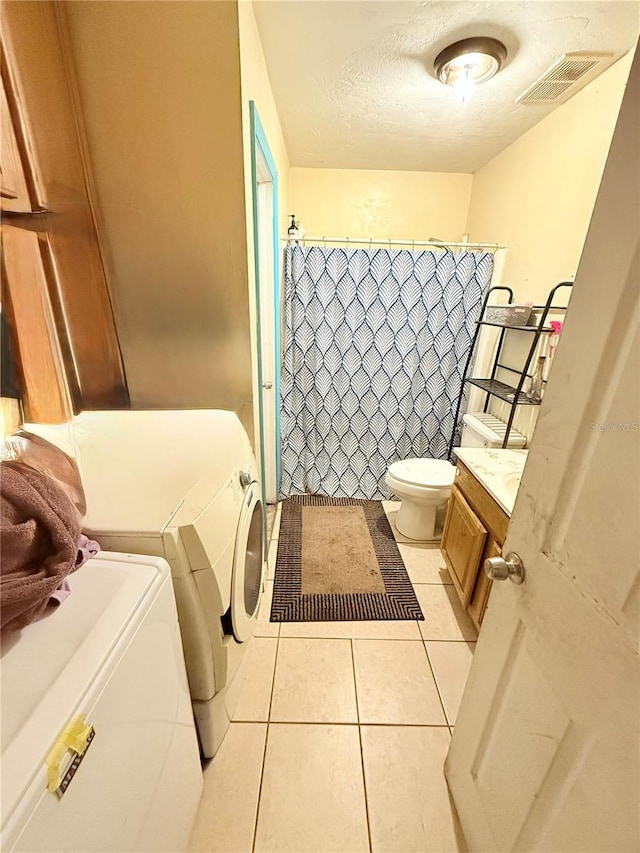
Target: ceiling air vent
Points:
(565, 77)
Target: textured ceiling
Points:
(354, 87)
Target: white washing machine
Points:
(99, 751)
(182, 485)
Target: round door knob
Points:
(501, 568)
(245, 479)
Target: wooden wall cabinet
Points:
(13, 185)
(55, 291)
(475, 528)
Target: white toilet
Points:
(424, 485)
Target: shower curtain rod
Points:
(438, 244)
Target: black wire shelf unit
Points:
(512, 394)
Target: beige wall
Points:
(537, 196)
(256, 86)
(160, 92)
(165, 90)
(379, 204)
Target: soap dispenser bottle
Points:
(295, 231)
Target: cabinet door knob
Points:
(501, 568)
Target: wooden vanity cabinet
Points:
(475, 528)
(482, 587)
(463, 542)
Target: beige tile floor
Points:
(342, 728)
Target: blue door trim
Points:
(259, 142)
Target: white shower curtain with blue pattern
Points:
(374, 346)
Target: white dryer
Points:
(182, 485)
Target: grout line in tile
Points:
(255, 823)
(364, 779)
(264, 753)
(368, 639)
(403, 726)
(273, 677)
(360, 639)
(386, 639)
(455, 640)
(435, 681)
(247, 722)
(331, 723)
(355, 683)
(374, 639)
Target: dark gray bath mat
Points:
(338, 561)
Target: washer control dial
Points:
(245, 479)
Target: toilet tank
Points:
(483, 430)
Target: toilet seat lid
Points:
(435, 473)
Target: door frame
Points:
(260, 147)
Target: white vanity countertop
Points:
(499, 471)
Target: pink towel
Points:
(59, 595)
(39, 543)
(87, 548)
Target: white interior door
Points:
(267, 323)
(545, 754)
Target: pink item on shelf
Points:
(556, 326)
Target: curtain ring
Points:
(413, 245)
(389, 243)
(324, 242)
(370, 243)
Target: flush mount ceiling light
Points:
(466, 63)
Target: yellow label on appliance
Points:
(75, 738)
